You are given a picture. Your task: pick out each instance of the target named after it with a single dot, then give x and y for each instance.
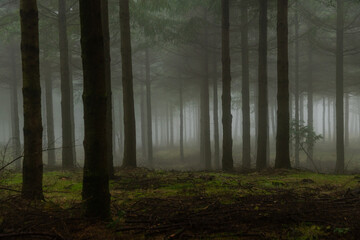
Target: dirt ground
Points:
(186, 205)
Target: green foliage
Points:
(306, 134)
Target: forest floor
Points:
(274, 204)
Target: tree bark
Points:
(216, 116)
(109, 108)
(205, 109)
(95, 194)
(128, 92)
(347, 119)
(263, 91)
(340, 152)
(49, 114)
(32, 164)
(143, 123)
(246, 148)
(67, 130)
(149, 110)
(227, 160)
(297, 90)
(282, 159)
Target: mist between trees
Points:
(187, 85)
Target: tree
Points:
(148, 108)
(246, 158)
(263, 96)
(32, 165)
(340, 152)
(109, 108)
(297, 91)
(95, 192)
(68, 158)
(127, 81)
(227, 160)
(282, 159)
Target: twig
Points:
(308, 155)
(39, 234)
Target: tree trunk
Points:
(297, 90)
(181, 123)
(32, 164)
(149, 110)
(67, 131)
(128, 92)
(227, 161)
(204, 108)
(310, 104)
(263, 91)
(340, 152)
(143, 123)
(49, 114)
(216, 116)
(95, 192)
(109, 108)
(347, 119)
(15, 109)
(329, 119)
(246, 148)
(323, 119)
(282, 138)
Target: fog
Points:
(181, 40)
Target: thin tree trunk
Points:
(216, 116)
(323, 118)
(246, 140)
(329, 120)
(310, 104)
(263, 91)
(128, 92)
(347, 119)
(32, 164)
(297, 90)
(340, 152)
(282, 138)
(143, 123)
(49, 114)
(227, 161)
(15, 109)
(67, 131)
(204, 109)
(149, 110)
(181, 123)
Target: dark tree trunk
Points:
(263, 92)
(149, 110)
(246, 148)
(340, 152)
(127, 82)
(283, 122)
(216, 116)
(15, 109)
(49, 114)
(297, 91)
(32, 164)
(205, 109)
(109, 108)
(227, 160)
(95, 192)
(67, 130)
